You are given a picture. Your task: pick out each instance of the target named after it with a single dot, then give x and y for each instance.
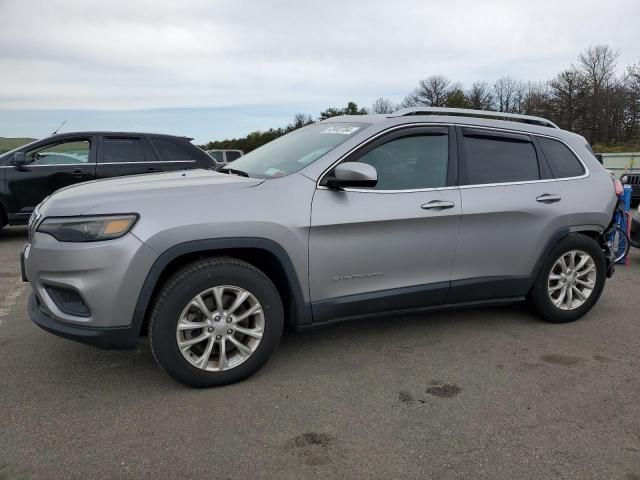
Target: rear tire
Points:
(215, 322)
(561, 294)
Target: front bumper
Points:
(105, 338)
(103, 278)
(23, 254)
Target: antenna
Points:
(61, 125)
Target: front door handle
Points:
(78, 173)
(547, 198)
(437, 205)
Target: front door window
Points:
(64, 153)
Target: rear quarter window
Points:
(170, 151)
(563, 162)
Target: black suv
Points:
(30, 173)
(633, 179)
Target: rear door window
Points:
(497, 158)
(122, 150)
(563, 163)
(231, 156)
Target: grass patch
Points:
(7, 144)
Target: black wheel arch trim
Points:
(301, 311)
(564, 232)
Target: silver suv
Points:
(349, 217)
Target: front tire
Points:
(570, 281)
(215, 322)
(3, 218)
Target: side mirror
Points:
(353, 174)
(19, 159)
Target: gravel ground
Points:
(487, 393)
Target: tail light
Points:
(617, 185)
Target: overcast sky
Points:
(228, 67)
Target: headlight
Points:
(33, 221)
(88, 229)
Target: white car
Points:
(222, 157)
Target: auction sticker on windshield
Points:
(340, 130)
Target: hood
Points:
(117, 193)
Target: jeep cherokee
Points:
(421, 209)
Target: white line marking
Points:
(9, 301)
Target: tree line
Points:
(260, 137)
(590, 98)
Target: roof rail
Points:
(514, 117)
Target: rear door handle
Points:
(78, 173)
(547, 198)
(437, 205)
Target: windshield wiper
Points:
(234, 171)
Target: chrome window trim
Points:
(427, 124)
(56, 165)
(145, 163)
(102, 163)
(412, 190)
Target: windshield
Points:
(294, 151)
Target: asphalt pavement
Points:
(489, 393)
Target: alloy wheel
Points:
(572, 279)
(220, 328)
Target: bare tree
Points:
(431, 92)
(519, 98)
(383, 105)
(597, 64)
(535, 100)
(597, 68)
(632, 89)
(300, 120)
(480, 96)
(566, 93)
(506, 92)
